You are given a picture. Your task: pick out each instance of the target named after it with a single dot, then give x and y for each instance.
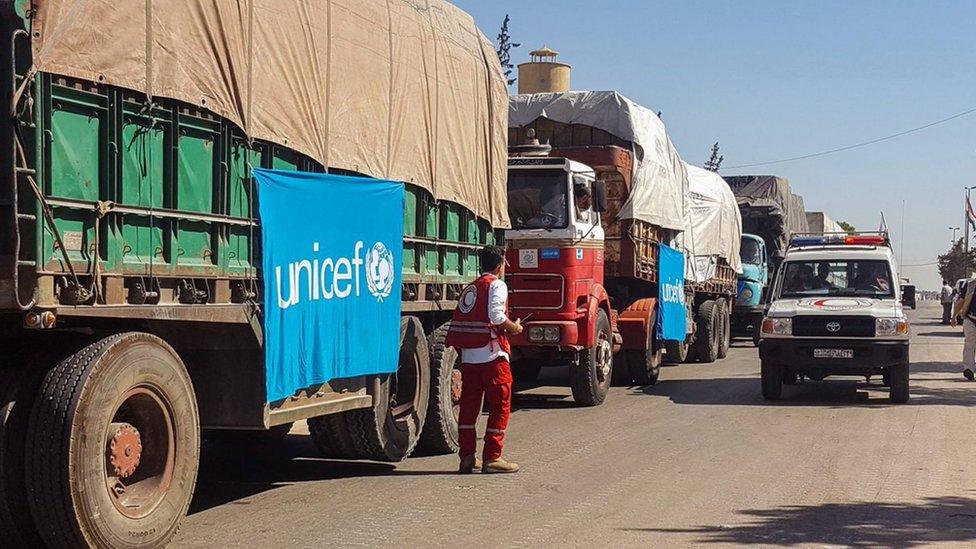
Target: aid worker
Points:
(479, 329)
(965, 309)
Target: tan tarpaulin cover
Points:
(716, 224)
(408, 90)
(660, 181)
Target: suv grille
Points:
(833, 326)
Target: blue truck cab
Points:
(748, 310)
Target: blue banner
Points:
(333, 248)
(672, 321)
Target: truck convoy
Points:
(131, 295)
(770, 214)
(835, 310)
(591, 212)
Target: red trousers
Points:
(494, 381)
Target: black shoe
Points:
(968, 374)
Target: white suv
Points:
(836, 310)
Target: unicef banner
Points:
(672, 322)
(332, 256)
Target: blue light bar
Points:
(809, 241)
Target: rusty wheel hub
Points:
(124, 449)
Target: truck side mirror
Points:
(599, 196)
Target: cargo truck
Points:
(771, 212)
(131, 302)
(596, 189)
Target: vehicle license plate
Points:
(833, 353)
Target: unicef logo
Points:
(380, 273)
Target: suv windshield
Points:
(537, 199)
(750, 253)
(867, 278)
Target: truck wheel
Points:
(390, 429)
(707, 338)
(590, 379)
(898, 388)
(675, 352)
(772, 381)
(440, 434)
(645, 366)
(114, 444)
(725, 321)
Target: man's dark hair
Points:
(491, 257)
(581, 189)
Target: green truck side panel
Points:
(143, 158)
(103, 146)
(194, 193)
(238, 256)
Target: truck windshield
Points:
(751, 252)
(537, 199)
(867, 278)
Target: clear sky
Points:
(772, 80)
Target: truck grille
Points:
(833, 326)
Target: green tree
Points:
(715, 161)
(847, 226)
(957, 262)
(505, 45)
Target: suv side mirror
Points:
(599, 196)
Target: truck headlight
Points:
(777, 326)
(890, 326)
(746, 293)
(544, 334)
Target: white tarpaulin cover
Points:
(660, 182)
(408, 90)
(716, 225)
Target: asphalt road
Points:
(699, 459)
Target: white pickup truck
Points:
(835, 309)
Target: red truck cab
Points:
(555, 270)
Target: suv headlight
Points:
(777, 326)
(890, 326)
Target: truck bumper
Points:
(869, 356)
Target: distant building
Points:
(543, 73)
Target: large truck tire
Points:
(898, 391)
(645, 366)
(390, 429)
(675, 352)
(114, 445)
(709, 328)
(440, 434)
(772, 381)
(725, 320)
(590, 378)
